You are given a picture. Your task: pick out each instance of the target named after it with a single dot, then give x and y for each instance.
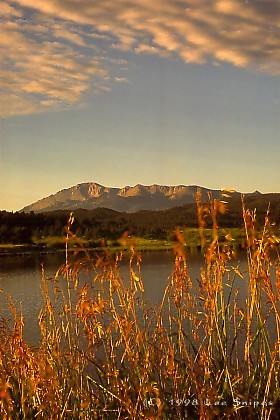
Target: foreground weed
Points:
(105, 354)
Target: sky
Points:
(121, 92)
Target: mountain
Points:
(91, 195)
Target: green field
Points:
(190, 238)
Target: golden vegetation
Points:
(105, 354)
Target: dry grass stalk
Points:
(105, 354)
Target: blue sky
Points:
(126, 92)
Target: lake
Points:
(20, 276)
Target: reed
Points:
(105, 354)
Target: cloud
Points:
(8, 11)
(42, 73)
(121, 80)
(61, 33)
(56, 52)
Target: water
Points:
(20, 277)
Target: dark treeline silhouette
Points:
(26, 228)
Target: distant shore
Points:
(188, 238)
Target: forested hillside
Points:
(25, 228)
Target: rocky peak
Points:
(139, 197)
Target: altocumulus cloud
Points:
(57, 53)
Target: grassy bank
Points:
(232, 237)
(105, 354)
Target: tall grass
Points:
(105, 354)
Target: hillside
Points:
(21, 227)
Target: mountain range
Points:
(91, 195)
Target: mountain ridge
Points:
(90, 195)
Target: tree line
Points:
(26, 228)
